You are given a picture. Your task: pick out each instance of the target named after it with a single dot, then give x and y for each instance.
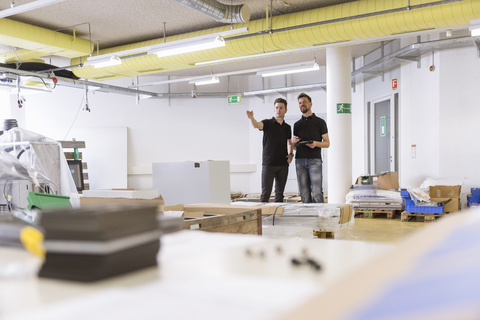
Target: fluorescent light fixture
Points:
(172, 48)
(27, 7)
(107, 61)
(204, 42)
(289, 68)
(201, 82)
(475, 28)
(144, 96)
(124, 54)
(94, 88)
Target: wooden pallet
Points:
(427, 217)
(370, 214)
(324, 234)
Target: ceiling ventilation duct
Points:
(37, 42)
(218, 11)
(378, 18)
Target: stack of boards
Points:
(94, 243)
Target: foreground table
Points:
(200, 275)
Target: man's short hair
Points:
(281, 100)
(304, 95)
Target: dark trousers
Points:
(270, 173)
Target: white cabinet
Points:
(192, 182)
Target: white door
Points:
(382, 135)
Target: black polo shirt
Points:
(311, 128)
(275, 136)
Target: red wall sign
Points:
(394, 83)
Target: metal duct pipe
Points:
(218, 11)
(266, 92)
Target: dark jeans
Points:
(270, 173)
(309, 177)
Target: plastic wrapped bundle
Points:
(25, 155)
(318, 216)
(380, 200)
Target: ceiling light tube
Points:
(103, 62)
(288, 69)
(27, 7)
(169, 49)
(142, 50)
(201, 82)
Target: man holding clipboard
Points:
(310, 134)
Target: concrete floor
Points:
(379, 229)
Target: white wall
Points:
(459, 115)
(4, 106)
(9, 107)
(187, 129)
(419, 122)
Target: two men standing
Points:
(310, 135)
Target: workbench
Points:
(200, 275)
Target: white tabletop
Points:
(200, 275)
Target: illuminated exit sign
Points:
(235, 99)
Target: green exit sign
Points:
(235, 99)
(344, 108)
(383, 127)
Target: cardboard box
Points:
(346, 212)
(221, 218)
(451, 192)
(444, 191)
(385, 181)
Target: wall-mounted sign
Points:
(235, 99)
(344, 108)
(394, 83)
(383, 129)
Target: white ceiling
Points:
(118, 22)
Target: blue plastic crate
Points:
(475, 192)
(473, 198)
(405, 194)
(424, 209)
(409, 202)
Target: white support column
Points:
(339, 124)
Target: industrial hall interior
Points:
(239, 159)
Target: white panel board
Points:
(105, 153)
